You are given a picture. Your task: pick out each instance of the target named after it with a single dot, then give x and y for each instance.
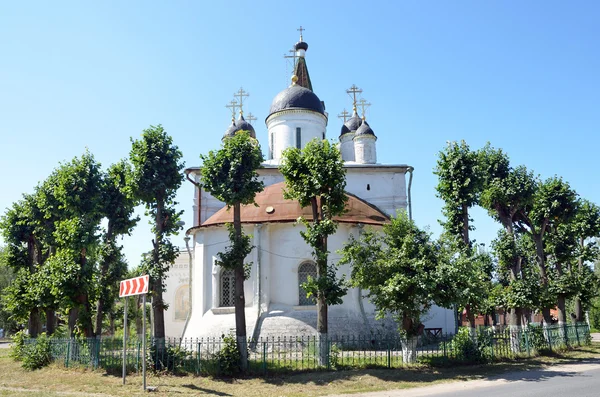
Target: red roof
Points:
(272, 207)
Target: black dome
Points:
(239, 125)
(364, 129)
(296, 97)
(301, 46)
(352, 124)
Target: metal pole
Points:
(124, 339)
(144, 341)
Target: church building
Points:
(276, 304)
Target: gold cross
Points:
(301, 30)
(363, 105)
(250, 118)
(344, 115)
(233, 105)
(241, 94)
(294, 55)
(352, 91)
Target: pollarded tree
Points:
(23, 254)
(586, 228)
(315, 177)
(553, 204)
(72, 196)
(459, 186)
(399, 269)
(118, 207)
(157, 174)
(506, 193)
(229, 174)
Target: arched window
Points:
(227, 288)
(306, 269)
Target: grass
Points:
(58, 381)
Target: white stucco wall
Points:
(281, 129)
(177, 295)
(347, 146)
(365, 151)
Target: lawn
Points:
(58, 381)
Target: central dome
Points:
(297, 97)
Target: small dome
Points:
(239, 125)
(352, 124)
(301, 45)
(364, 129)
(296, 97)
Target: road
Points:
(579, 379)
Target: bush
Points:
(464, 347)
(37, 354)
(17, 350)
(166, 357)
(229, 356)
(537, 339)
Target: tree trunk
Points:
(158, 305)
(103, 272)
(470, 316)
(541, 259)
(34, 325)
(240, 299)
(50, 321)
(465, 231)
(73, 315)
(578, 304)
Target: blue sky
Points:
(522, 75)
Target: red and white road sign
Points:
(134, 286)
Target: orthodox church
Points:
(276, 304)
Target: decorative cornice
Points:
(292, 111)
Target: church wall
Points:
(283, 126)
(177, 295)
(347, 146)
(364, 149)
(386, 190)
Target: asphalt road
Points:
(580, 379)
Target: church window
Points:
(306, 269)
(271, 146)
(368, 187)
(323, 135)
(227, 288)
(298, 137)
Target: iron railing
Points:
(204, 356)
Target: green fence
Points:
(280, 354)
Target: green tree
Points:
(229, 174)
(315, 177)
(506, 192)
(553, 204)
(157, 174)
(459, 186)
(399, 269)
(72, 197)
(118, 207)
(21, 227)
(7, 277)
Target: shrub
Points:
(17, 350)
(37, 354)
(229, 356)
(465, 347)
(166, 358)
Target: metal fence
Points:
(205, 356)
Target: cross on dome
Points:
(250, 117)
(233, 105)
(352, 91)
(364, 105)
(344, 115)
(241, 94)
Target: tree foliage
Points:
(315, 177)
(156, 176)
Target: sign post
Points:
(131, 287)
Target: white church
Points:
(276, 304)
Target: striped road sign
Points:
(134, 286)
